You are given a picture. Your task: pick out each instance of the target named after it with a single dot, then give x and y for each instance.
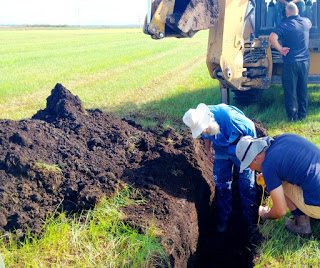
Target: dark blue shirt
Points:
(294, 33)
(296, 160)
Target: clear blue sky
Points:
(73, 12)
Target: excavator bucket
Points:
(180, 18)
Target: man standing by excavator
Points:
(294, 33)
(221, 126)
(290, 165)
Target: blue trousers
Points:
(294, 83)
(222, 174)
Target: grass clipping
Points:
(100, 238)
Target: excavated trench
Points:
(236, 248)
(96, 154)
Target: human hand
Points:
(262, 211)
(284, 51)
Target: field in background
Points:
(117, 70)
(126, 73)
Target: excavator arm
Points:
(235, 57)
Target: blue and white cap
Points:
(248, 148)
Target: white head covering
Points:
(197, 119)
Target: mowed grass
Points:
(126, 73)
(107, 68)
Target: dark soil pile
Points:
(190, 16)
(96, 154)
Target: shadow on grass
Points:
(314, 100)
(270, 110)
(165, 111)
(315, 224)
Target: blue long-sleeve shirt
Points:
(232, 123)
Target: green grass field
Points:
(126, 73)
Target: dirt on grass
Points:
(66, 157)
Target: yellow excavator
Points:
(239, 53)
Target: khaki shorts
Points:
(295, 194)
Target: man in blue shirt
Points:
(221, 126)
(294, 33)
(281, 9)
(290, 166)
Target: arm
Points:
(208, 147)
(273, 38)
(279, 207)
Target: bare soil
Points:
(97, 153)
(198, 15)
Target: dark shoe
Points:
(300, 225)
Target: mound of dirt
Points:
(66, 157)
